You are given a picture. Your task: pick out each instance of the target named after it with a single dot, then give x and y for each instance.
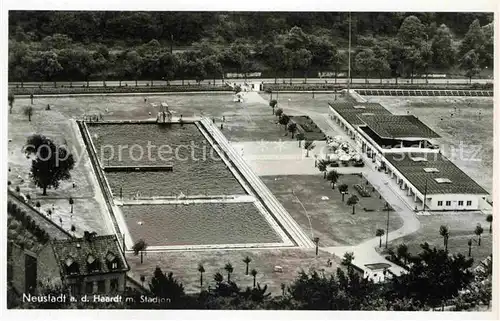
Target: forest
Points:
(87, 45)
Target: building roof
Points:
(398, 126)
(445, 178)
(351, 111)
(89, 255)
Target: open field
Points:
(331, 220)
(461, 227)
(466, 137)
(202, 223)
(184, 265)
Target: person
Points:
(221, 125)
(224, 119)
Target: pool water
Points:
(196, 224)
(197, 168)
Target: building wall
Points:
(19, 270)
(17, 277)
(49, 272)
(90, 284)
(454, 201)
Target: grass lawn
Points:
(331, 220)
(461, 227)
(184, 265)
(56, 125)
(466, 137)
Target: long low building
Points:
(408, 151)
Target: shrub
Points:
(9, 183)
(18, 189)
(361, 190)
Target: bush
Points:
(361, 190)
(18, 189)
(9, 183)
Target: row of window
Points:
(460, 203)
(101, 287)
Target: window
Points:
(440, 203)
(113, 285)
(460, 203)
(89, 287)
(448, 203)
(469, 203)
(101, 286)
(442, 180)
(431, 170)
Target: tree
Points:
(52, 163)
(229, 269)
(300, 137)
(303, 60)
(347, 259)
(380, 232)
(402, 251)
(283, 288)
(218, 278)
(343, 188)
(71, 202)
(166, 286)
(353, 200)
(442, 48)
(254, 274)
(432, 277)
(292, 128)
(28, 111)
(284, 120)
(279, 112)
(337, 61)
(474, 39)
(273, 104)
(412, 31)
(308, 145)
(11, 101)
(322, 166)
(48, 65)
(316, 242)
(247, 261)
(333, 177)
(489, 219)
(168, 65)
(139, 247)
(478, 231)
(443, 231)
(201, 269)
(365, 62)
(274, 56)
(470, 63)
(133, 63)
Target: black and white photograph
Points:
(312, 160)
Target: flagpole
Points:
(349, 57)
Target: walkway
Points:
(191, 200)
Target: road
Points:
(143, 83)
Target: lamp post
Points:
(387, 229)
